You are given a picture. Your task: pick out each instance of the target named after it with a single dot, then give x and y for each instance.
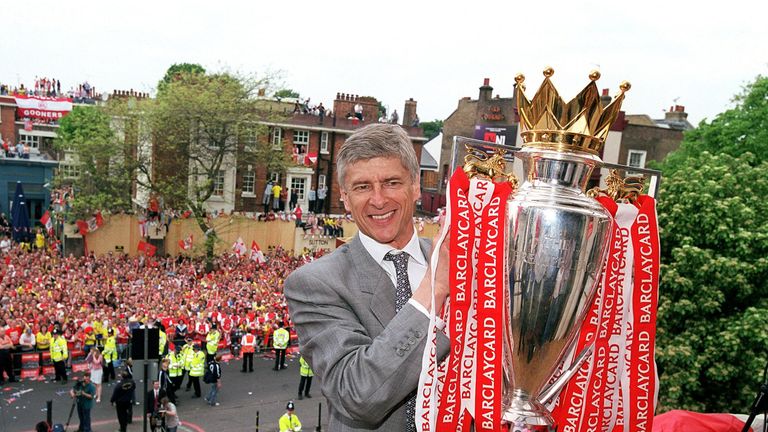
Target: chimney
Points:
(486, 91)
(605, 98)
(409, 113)
(676, 113)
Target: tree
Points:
(202, 126)
(176, 71)
(101, 158)
(432, 128)
(743, 128)
(714, 277)
(286, 93)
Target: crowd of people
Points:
(88, 298)
(51, 87)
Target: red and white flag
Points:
(186, 244)
(256, 253)
(43, 107)
(91, 224)
(47, 222)
(239, 247)
(310, 159)
(148, 249)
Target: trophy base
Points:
(525, 414)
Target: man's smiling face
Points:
(381, 195)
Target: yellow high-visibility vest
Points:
(59, 350)
(212, 341)
(304, 369)
(280, 338)
(110, 350)
(198, 364)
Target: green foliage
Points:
(286, 93)
(712, 341)
(201, 124)
(432, 128)
(88, 139)
(176, 71)
(743, 128)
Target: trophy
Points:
(556, 246)
(556, 238)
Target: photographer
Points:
(84, 392)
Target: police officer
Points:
(59, 356)
(197, 369)
(175, 371)
(289, 422)
(305, 383)
(280, 341)
(212, 342)
(110, 355)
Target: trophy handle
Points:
(553, 389)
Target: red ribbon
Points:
(490, 311)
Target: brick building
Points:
(313, 142)
(34, 172)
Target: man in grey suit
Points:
(357, 328)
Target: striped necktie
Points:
(402, 294)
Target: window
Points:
(251, 137)
(33, 141)
(300, 137)
(636, 158)
(274, 177)
(218, 184)
(249, 182)
(297, 187)
(67, 170)
(277, 138)
(429, 179)
(321, 181)
(324, 142)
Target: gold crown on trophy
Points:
(580, 125)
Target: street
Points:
(244, 397)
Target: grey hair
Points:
(377, 140)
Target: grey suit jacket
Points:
(366, 357)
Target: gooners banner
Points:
(39, 107)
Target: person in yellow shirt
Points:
(43, 338)
(39, 239)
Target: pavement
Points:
(246, 398)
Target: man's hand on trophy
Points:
(440, 246)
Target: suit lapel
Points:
(373, 280)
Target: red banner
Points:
(461, 274)
(642, 373)
(490, 311)
(47, 108)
